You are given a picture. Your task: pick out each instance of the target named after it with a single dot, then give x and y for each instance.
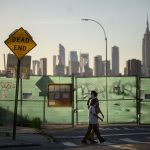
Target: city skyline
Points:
(52, 22)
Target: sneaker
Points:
(92, 141)
(84, 141)
(102, 140)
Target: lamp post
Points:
(106, 58)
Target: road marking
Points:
(122, 134)
(126, 128)
(141, 128)
(128, 147)
(104, 129)
(69, 137)
(116, 129)
(107, 143)
(106, 135)
(69, 144)
(133, 141)
(108, 128)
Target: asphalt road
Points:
(129, 138)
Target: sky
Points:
(51, 22)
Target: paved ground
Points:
(25, 137)
(68, 138)
(118, 137)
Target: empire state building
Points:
(146, 51)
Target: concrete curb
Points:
(18, 145)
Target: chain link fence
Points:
(119, 107)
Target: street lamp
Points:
(106, 57)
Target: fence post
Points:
(76, 100)
(138, 99)
(44, 109)
(72, 100)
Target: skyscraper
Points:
(84, 62)
(39, 67)
(36, 67)
(98, 66)
(61, 54)
(133, 67)
(108, 67)
(115, 60)
(54, 64)
(59, 62)
(43, 66)
(73, 63)
(146, 52)
(85, 70)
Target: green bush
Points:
(36, 123)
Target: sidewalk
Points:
(24, 137)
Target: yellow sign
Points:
(20, 43)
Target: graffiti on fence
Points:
(116, 90)
(5, 86)
(125, 89)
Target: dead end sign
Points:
(20, 43)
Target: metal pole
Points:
(76, 100)
(44, 109)
(106, 81)
(106, 67)
(16, 100)
(72, 100)
(21, 100)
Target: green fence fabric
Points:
(6, 111)
(121, 103)
(33, 105)
(123, 111)
(145, 102)
(117, 87)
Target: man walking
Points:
(93, 122)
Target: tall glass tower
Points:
(98, 66)
(146, 51)
(115, 60)
(73, 63)
(61, 55)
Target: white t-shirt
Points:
(92, 119)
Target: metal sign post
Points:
(16, 100)
(20, 42)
